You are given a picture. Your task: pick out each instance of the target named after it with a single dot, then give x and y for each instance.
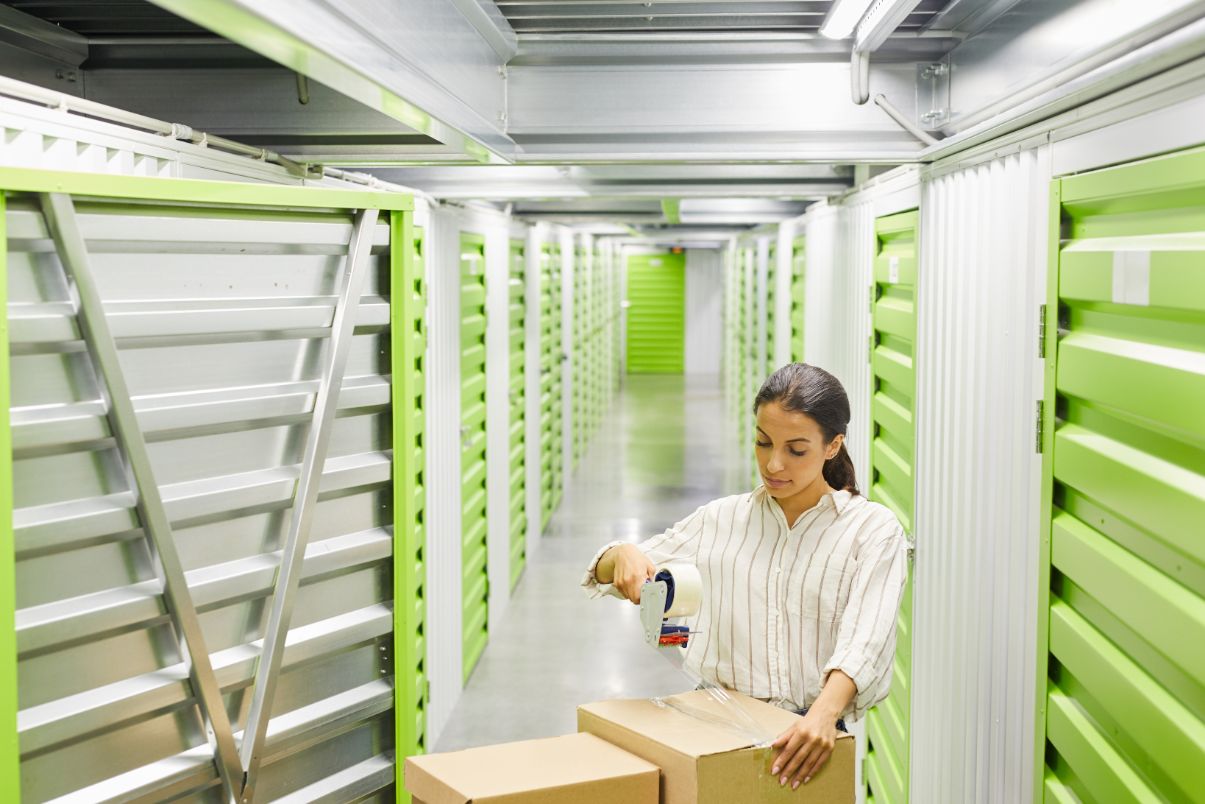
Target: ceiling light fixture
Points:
(843, 18)
(881, 21)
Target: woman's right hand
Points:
(632, 569)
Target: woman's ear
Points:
(834, 447)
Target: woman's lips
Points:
(776, 484)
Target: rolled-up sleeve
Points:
(866, 637)
(675, 544)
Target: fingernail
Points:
(775, 771)
(808, 779)
(795, 786)
(782, 782)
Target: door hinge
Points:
(1042, 331)
(1039, 425)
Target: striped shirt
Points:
(785, 605)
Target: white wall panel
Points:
(704, 307)
(983, 243)
(840, 259)
(837, 317)
(444, 641)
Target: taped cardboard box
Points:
(574, 769)
(705, 761)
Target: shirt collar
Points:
(838, 499)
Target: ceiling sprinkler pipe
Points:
(904, 123)
(859, 76)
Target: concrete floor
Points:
(663, 450)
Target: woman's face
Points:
(791, 450)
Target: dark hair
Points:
(802, 388)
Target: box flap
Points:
(700, 735)
(494, 773)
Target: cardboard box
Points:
(704, 761)
(575, 769)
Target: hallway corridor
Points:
(660, 453)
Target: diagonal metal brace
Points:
(59, 211)
(306, 495)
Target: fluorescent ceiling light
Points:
(881, 21)
(843, 17)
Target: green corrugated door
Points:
(771, 298)
(518, 409)
(409, 344)
(799, 258)
(752, 363)
(475, 581)
(581, 319)
(1123, 662)
(893, 444)
(657, 315)
(550, 381)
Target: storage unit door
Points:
(799, 259)
(548, 310)
(473, 525)
(579, 383)
(657, 315)
(771, 295)
(195, 386)
(556, 342)
(518, 407)
(892, 407)
(1122, 665)
(409, 330)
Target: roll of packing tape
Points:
(685, 589)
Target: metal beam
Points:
(59, 211)
(267, 673)
(418, 61)
(38, 36)
(715, 112)
(504, 183)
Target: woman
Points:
(802, 577)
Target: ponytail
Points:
(839, 471)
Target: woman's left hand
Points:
(802, 750)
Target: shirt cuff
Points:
(591, 584)
(860, 671)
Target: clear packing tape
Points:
(677, 592)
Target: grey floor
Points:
(663, 450)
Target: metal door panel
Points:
(222, 390)
(891, 482)
(798, 291)
(1125, 466)
(656, 317)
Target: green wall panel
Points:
(518, 409)
(475, 581)
(657, 315)
(892, 409)
(771, 301)
(799, 258)
(1122, 650)
(551, 367)
(409, 343)
(10, 778)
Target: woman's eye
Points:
(799, 454)
(762, 444)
